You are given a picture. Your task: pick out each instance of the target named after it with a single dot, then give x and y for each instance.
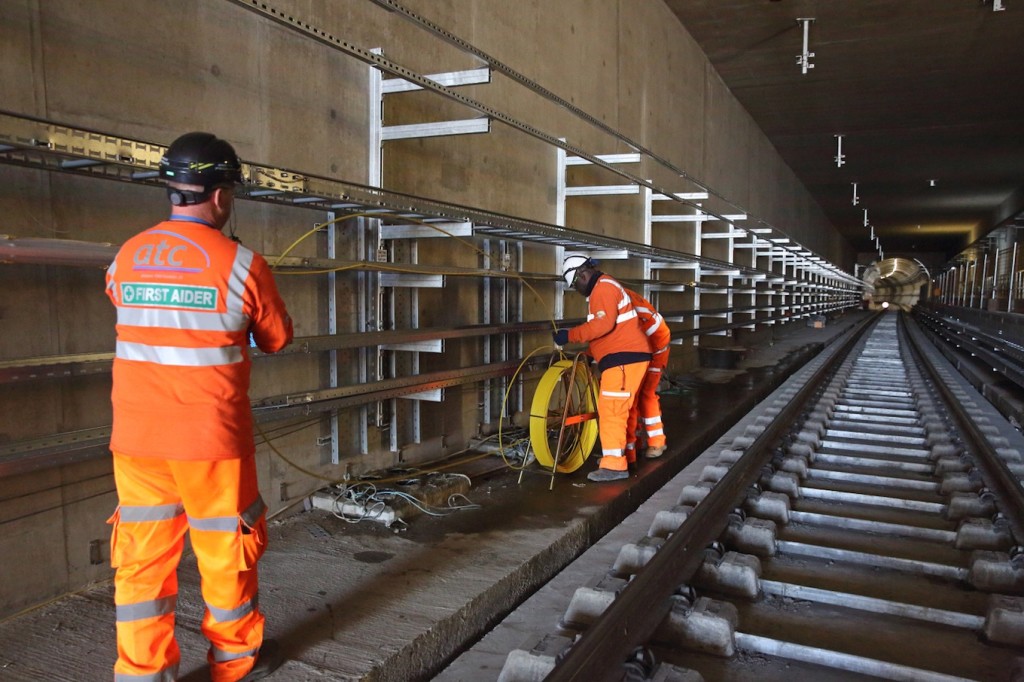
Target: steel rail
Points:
(1002, 355)
(634, 615)
(994, 471)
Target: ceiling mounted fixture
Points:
(803, 59)
(840, 157)
(931, 183)
(856, 199)
(997, 6)
(865, 217)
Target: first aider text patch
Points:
(169, 296)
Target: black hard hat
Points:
(201, 159)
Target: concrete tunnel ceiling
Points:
(921, 90)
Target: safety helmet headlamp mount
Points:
(201, 159)
(572, 264)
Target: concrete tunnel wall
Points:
(151, 70)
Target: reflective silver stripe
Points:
(656, 370)
(182, 319)
(652, 420)
(661, 350)
(611, 453)
(146, 609)
(625, 316)
(179, 356)
(650, 330)
(655, 432)
(159, 512)
(615, 394)
(224, 615)
(624, 301)
(251, 514)
(219, 655)
(224, 524)
(229, 524)
(236, 281)
(166, 675)
(111, 284)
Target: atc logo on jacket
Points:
(168, 255)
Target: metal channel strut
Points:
(37, 143)
(533, 86)
(632, 618)
(377, 61)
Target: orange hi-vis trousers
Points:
(647, 409)
(219, 504)
(619, 387)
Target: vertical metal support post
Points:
(560, 183)
(803, 59)
(502, 305)
(698, 249)
(648, 236)
(363, 290)
(984, 274)
(520, 402)
(995, 275)
(485, 316)
(414, 323)
(332, 329)
(367, 284)
(1013, 278)
(392, 372)
(972, 269)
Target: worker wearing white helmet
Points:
(622, 353)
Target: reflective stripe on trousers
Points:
(648, 405)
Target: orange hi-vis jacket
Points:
(651, 321)
(612, 326)
(187, 298)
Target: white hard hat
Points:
(572, 263)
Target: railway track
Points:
(857, 527)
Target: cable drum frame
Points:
(575, 416)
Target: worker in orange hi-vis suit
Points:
(188, 299)
(621, 351)
(647, 408)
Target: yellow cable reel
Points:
(563, 416)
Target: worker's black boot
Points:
(268, 660)
(602, 475)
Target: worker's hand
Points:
(561, 337)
